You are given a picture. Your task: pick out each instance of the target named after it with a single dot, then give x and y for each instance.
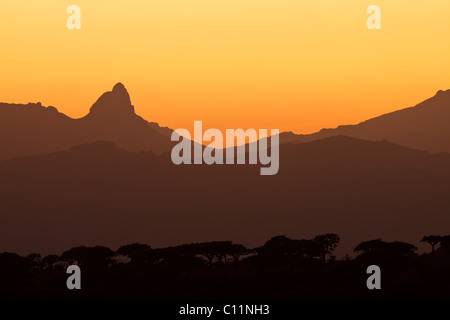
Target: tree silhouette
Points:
(445, 243)
(34, 260)
(138, 253)
(50, 260)
(211, 250)
(74, 255)
(402, 249)
(236, 251)
(282, 248)
(370, 246)
(130, 249)
(307, 249)
(182, 258)
(382, 250)
(12, 267)
(328, 243)
(432, 240)
(94, 258)
(207, 250)
(278, 246)
(10, 261)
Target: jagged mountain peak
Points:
(115, 103)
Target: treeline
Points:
(282, 268)
(278, 249)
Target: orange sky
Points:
(296, 65)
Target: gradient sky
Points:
(296, 65)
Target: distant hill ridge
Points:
(33, 129)
(30, 129)
(99, 193)
(424, 127)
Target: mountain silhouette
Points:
(424, 127)
(114, 105)
(33, 129)
(99, 194)
(107, 179)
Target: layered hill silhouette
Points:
(108, 179)
(100, 194)
(424, 127)
(33, 129)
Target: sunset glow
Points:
(295, 65)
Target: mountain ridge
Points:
(34, 129)
(100, 193)
(27, 129)
(425, 126)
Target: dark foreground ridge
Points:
(282, 268)
(100, 194)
